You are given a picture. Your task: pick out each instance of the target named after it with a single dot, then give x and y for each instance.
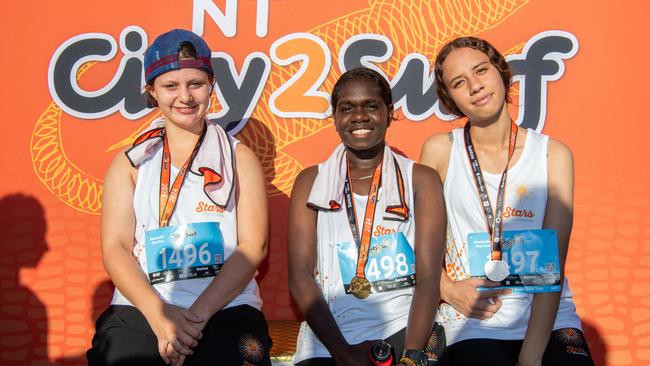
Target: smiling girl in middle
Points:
(354, 250)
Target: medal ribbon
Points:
(369, 218)
(494, 220)
(168, 198)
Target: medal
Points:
(360, 287)
(496, 269)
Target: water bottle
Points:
(381, 354)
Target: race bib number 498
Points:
(184, 252)
(390, 266)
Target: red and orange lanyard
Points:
(364, 243)
(494, 221)
(168, 197)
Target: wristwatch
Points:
(414, 357)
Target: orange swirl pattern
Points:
(412, 26)
(62, 177)
(420, 26)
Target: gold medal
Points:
(360, 287)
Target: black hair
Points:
(366, 74)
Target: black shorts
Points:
(567, 346)
(233, 336)
(396, 340)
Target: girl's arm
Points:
(302, 254)
(462, 295)
(430, 230)
(252, 236)
(174, 327)
(559, 216)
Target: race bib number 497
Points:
(184, 252)
(532, 256)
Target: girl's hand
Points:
(356, 354)
(177, 330)
(470, 302)
(180, 359)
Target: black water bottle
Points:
(381, 354)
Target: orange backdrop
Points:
(52, 281)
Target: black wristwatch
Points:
(414, 357)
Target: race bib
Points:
(532, 256)
(184, 252)
(390, 266)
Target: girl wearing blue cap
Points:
(184, 229)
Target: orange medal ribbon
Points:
(360, 286)
(169, 197)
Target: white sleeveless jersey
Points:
(524, 208)
(193, 206)
(380, 314)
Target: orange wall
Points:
(52, 281)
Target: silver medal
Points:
(497, 270)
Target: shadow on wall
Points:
(23, 317)
(101, 299)
(596, 343)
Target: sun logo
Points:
(522, 191)
(524, 195)
(433, 349)
(570, 336)
(251, 348)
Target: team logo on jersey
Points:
(204, 207)
(380, 230)
(513, 212)
(523, 201)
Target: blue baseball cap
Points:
(162, 55)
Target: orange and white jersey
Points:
(385, 311)
(193, 206)
(524, 209)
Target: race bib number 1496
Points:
(184, 252)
